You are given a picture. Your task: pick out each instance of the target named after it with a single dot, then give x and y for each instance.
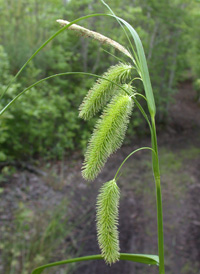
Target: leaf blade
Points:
(143, 66)
(139, 258)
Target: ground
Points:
(62, 189)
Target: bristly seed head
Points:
(107, 221)
(108, 134)
(103, 90)
(96, 36)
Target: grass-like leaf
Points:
(103, 90)
(107, 221)
(108, 134)
(143, 67)
(139, 258)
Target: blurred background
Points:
(47, 211)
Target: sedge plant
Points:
(115, 96)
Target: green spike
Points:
(108, 134)
(107, 221)
(103, 90)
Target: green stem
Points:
(133, 152)
(63, 74)
(136, 78)
(119, 59)
(160, 226)
(142, 111)
(156, 172)
(141, 95)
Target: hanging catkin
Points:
(107, 221)
(108, 134)
(103, 90)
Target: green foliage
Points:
(4, 66)
(49, 127)
(47, 118)
(103, 90)
(108, 134)
(107, 221)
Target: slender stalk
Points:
(133, 152)
(142, 111)
(64, 74)
(136, 78)
(139, 94)
(119, 59)
(156, 172)
(160, 226)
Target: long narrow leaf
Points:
(143, 67)
(141, 62)
(139, 258)
(121, 25)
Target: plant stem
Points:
(141, 148)
(160, 226)
(156, 172)
(71, 73)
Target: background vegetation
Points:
(45, 123)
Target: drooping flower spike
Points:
(108, 134)
(103, 90)
(107, 221)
